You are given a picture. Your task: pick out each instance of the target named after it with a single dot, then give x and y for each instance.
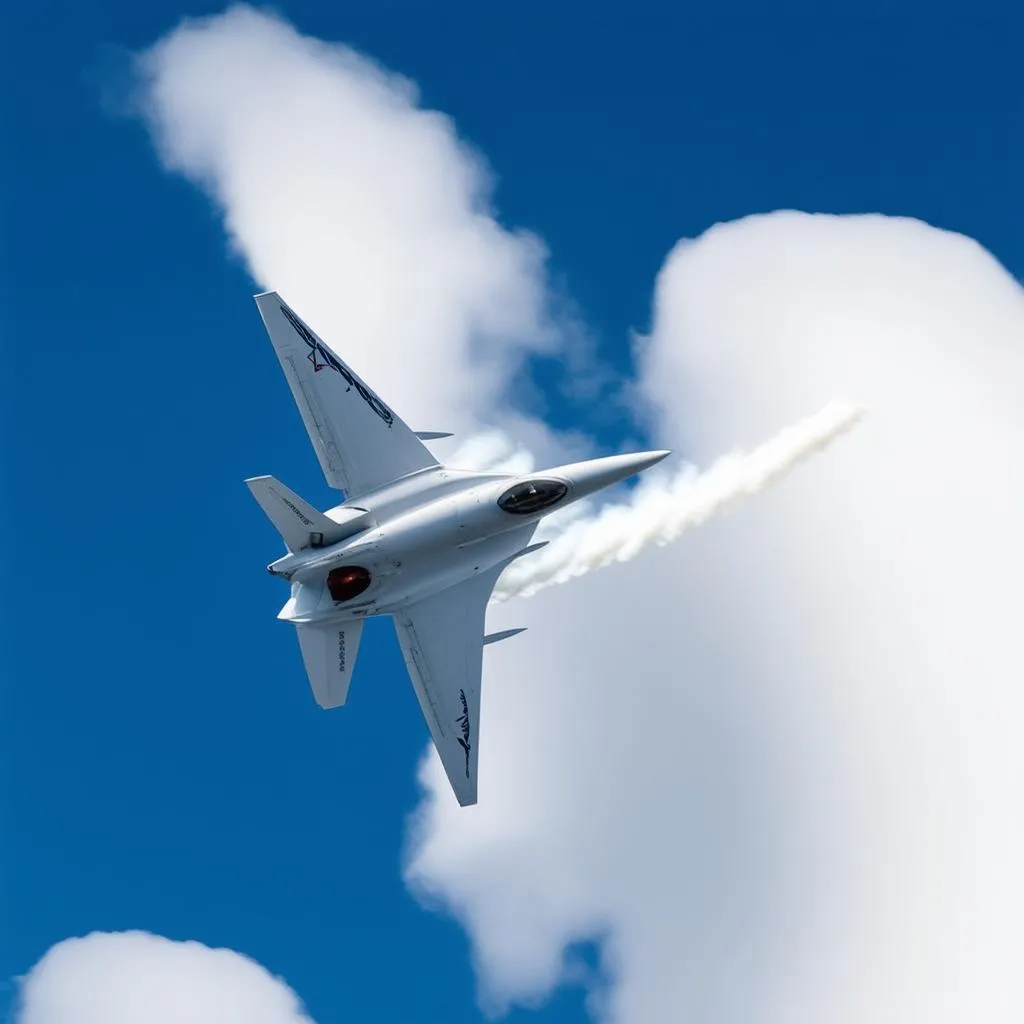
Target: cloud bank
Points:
(773, 770)
(776, 768)
(129, 977)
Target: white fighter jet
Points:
(414, 539)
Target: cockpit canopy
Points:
(532, 496)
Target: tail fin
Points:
(299, 524)
(329, 653)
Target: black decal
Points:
(341, 652)
(463, 723)
(329, 359)
(296, 510)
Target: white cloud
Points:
(778, 765)
(775, 766)
(363, 209)
(129, 977)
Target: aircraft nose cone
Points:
(596, 474)
(620, 467)
(647, 459)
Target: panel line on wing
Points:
(329, 447)
(417, 653)
(420, 673)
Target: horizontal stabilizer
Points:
(493, 638)
(300, 525)
(432, 435)
(329, 654)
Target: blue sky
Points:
(164, 766)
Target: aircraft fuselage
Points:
(432, 530)
(415, 540)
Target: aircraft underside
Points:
(419, 541)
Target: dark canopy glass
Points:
(532, 496)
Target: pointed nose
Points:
(596, 474)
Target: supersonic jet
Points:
(414, 539)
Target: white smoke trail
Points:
(661, 509)
(492, 451)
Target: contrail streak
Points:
(660, 510)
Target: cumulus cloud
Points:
(777, 767)
(362, 208)
(773, 770)
(128, 977)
